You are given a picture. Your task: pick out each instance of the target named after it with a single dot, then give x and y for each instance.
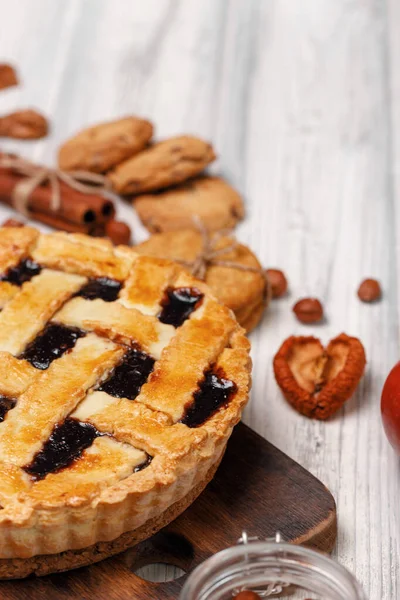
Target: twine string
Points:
(209, 254)
(36, 175)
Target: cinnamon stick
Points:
(75, 207)
(58, 223)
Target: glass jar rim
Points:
(324, 563)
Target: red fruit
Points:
(390, 407)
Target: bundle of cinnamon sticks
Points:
(87, 212)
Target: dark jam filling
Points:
(128, 378)
(103, 287)
(24, 271)
(52, 343)
(213, 392)
(66, 443)
(179, 304)
(143, 465)
(6, 404)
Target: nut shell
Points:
(317, 382)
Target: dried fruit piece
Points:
(308, 310)
(102, 146)
(318, 381)
(24, 125)
(369, 290)
(8, 76)
(247, 596)
(278, 282)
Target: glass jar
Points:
(271, 568)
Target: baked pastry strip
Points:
(134, 423)
(145, 287)
(54, 395)
(15, 244)
(13, 481)
(79, 254)
(7, 291)
(113, 320)
(34, 304)
(104, 463)
(30, 309)
(16, 375)
(196, 345)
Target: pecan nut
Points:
(8, 76)
(315, 380)
(24, 125)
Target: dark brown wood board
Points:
(257, 489)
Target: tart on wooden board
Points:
(121, 379)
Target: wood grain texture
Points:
(260, 490)
(302, 102)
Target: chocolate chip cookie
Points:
(101, 147)
(164, 164)
(213, 200)
(246, 292)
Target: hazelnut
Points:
(308, 310)
(247, 596)
(278, 282)
(118, 232)
(369, 290)
(13, 223)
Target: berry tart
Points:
(121, 378)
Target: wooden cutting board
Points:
(257, 489)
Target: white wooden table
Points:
(302, 100)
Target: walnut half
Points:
(317, 381)
(24, 125)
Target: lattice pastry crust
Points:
(143, 453)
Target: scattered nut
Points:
(308, 310)
(13, 223)
(8, 76)
(318, 381)
(247, 596)
(118, 232)
(24, 125)
(369, 290)
(278, 282)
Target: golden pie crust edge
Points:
(18, 568)
(130, 503)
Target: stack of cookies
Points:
(165, 180)
(186, 208)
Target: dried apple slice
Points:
(317, 381)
